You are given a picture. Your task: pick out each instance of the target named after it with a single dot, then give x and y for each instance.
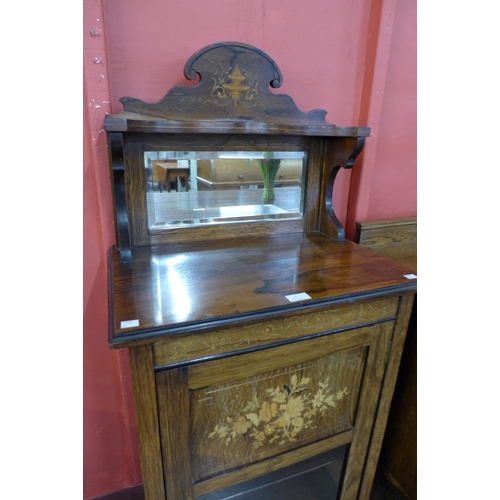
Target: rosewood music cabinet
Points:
(264, 346)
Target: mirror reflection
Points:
(214, 187)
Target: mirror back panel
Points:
(225, 158)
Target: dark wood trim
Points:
(339, 153)
(214, 142)
(117, 167)
(272, 228)
(135, 186)
(125, 122)
(329, 204)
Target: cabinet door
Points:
(229, 420)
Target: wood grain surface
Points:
(173, 405)
(363, 427)
(253, 418)
(170, 289)
(146, 414)
(395, 239)
(386, 232)
(245, 410)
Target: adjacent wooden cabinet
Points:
(264, 346)
(396, 239)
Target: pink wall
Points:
(393, 191)
(384, 181)
(322, 48)
(110, 450)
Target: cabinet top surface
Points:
(181, 288)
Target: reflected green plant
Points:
(269, 168)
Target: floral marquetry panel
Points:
(250, 419)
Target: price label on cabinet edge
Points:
(129, 324)
(297, 296)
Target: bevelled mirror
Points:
(189, 188)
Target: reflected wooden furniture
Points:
(231, 174)
(396, 239)
(261, 351)
(159, 174)
(170, 171)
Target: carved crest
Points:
(234, 83)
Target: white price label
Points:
(297, 296)
(129, 324)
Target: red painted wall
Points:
(355, 59)
(393, 191)
(110, 450)
(383, 185)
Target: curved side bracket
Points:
(359, 147)
(329, 188)
(329, 204)
(115, 143)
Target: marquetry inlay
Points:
(247, 420)
(184, 347)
